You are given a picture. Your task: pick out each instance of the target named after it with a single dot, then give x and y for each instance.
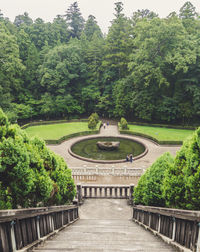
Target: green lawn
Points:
(56, 131)
(162, 134)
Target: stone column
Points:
(131, 190)
(79, 194)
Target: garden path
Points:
(154, 151)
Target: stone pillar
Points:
(12, 233)
(131, 190)
(79, 194)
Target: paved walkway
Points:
(105, 225)
(112, 130)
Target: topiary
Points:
(123, 123)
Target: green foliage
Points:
(173, 182)
(183, 177)
(149, 190)
(28, 171)
(123, 123)
(146, 68)
(93, 121)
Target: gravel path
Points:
(154, 151)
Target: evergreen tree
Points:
(74, 20)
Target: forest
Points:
(146, 68)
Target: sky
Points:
(102, 9)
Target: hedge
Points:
(151, 138)
(51, 122)
(164, 125)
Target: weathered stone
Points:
(108, 145)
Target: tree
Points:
(74, 20)
(11, 68)
(188, 11)
(91, 28)
(23, 20)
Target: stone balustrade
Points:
(24, 228)
(114, 171)
(105, 191)
(178, 227)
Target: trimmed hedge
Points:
(64, 138)
(51, 122)
(151, 138)
(164, 125)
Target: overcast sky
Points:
(102, 9)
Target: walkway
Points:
(105, 226)
(112, 130)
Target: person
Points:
(131, 158)
(107, 123)
(104, 125)
(127, 158)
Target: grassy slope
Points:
(56, 131)
(162, 134)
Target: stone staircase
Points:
(104, 225)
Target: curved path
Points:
(112, 130)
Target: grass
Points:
(162, 134)
(56, 131)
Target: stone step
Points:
(105, 226)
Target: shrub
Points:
(28, 171)
(150, 186)
(93, 121)
(123, 123)
(182, 181)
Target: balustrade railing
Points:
(181, 227)
(25, 228)
(115, 171)
(105, 191)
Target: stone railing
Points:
(177, 227)
(25, 228)
(105, 191)
(114, 171)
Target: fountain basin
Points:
(88, 150)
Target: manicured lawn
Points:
(162, 134)
(56, 131)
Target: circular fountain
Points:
(107, 149)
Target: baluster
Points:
(105, 189)
(85, 192)
(159, 221)
(120, 189)
(115, 192)
(110, 192)
(13, 241)
(125, 192)
(174, 229)
(95, 191)
(100, 191)
(149, 219)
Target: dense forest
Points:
(146, 68)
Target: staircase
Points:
(104, 225)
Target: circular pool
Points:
(88, 149)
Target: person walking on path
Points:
(104, 125)
(131, 158)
